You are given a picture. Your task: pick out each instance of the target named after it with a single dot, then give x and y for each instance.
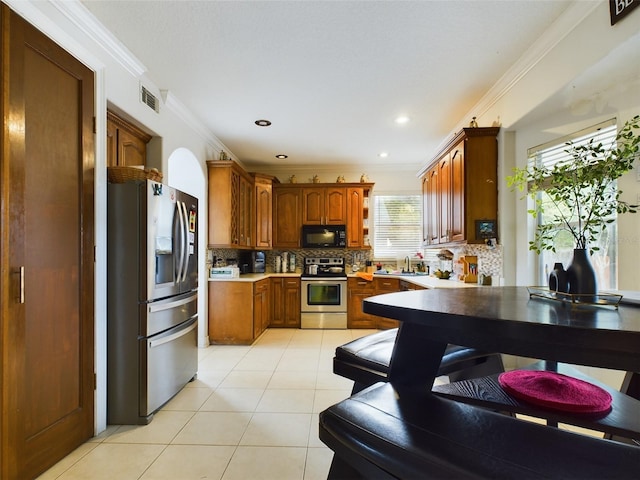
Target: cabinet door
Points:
(457, 223)
(277, 302)
(231, 316)
(132, 150)
(354, 217)
(287, 218)
(431, 205)
(358, 290)
(313, 209)
(263, 215)
(245, 212)
(444, 198)
(291, 302)
(335, 206)
(386, 285)
(233, 218)
(324, 206)
(261, 292)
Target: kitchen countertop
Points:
(254, 277)
(427, 281)
(421, 280)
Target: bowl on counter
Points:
(442, 274)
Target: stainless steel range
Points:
(323, 301)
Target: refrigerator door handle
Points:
(180, 253)
(172, 337)
(185, 246)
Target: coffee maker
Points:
(251, 261)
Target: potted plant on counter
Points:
(582, 197)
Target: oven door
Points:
(323, 295)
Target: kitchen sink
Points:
(400, 274)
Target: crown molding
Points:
(573, 16)
(82, 18)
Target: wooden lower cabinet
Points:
(386, 285)
(359, 289)
(233, 319)
(285, 302)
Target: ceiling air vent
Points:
(149, 99)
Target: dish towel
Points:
(555, 391)
(367, 276)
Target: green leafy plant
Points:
(582, 193)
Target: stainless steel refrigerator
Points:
(152, 300)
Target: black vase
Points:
(581, 275)
(558, 281)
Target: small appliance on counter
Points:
(251, 262)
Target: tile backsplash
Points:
(489, 258)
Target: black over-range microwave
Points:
(324, 236)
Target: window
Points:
(605, 260)
(397, 225)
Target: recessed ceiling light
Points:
(282, 156)
(402, 119)
(262, 123)
(383, 154)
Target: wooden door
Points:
(47, 325)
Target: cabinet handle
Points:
(20, 272)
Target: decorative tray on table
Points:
(597, 299)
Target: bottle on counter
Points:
(278, 267)
(292, 263)
(285, 262)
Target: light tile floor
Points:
(252, 413)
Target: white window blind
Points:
(397, 225)
(552, 153)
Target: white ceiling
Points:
(331, 75)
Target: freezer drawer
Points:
(164, 314)
(171, 362)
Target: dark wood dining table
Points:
(510, 321)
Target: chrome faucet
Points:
(407, 263)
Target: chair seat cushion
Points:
(373, 352)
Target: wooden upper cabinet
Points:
(355, 217)
(457, 197)
(444, 199)
(126, 143)
(460, 187)
(286, 216)
(324, 206)
(231, 197)
(263, 210)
